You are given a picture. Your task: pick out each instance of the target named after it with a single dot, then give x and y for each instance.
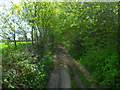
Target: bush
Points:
(22, 70)
(102, 64)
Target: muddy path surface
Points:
(63, 64)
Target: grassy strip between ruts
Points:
(73, 84)
(84, 81)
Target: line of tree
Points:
(85, 26)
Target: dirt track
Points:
(60, 77)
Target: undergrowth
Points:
(102, 63)
(25, 70)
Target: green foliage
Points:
(76, 52)
(22, 70)
(95, 42)
(88, 30)
(104, 66)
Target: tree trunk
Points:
(32, 36)
(14, 41)
(25, 35)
